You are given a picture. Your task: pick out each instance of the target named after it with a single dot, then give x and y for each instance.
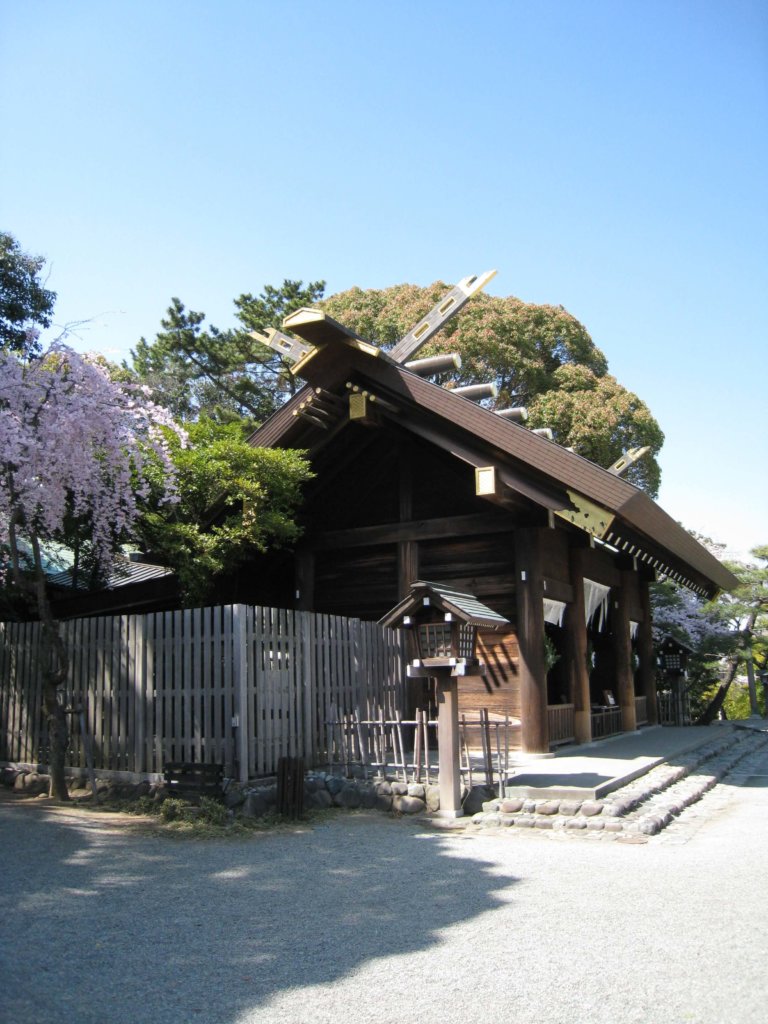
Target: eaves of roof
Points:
(640, 526)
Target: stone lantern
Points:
(444, 625)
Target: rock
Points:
(255, 805)
(416, 789)
(20, 781)
(651, 825)
(576, 823)
(570, 807)
(529, 806)
(319, 800)
(476, 797)
(595, 824)
(234, 797)
(491, 806)
(349, 798)
(591, 807)
(524, 821)
(432, 798)
(506, 820)
(547, 806)
(384, 801)
(612, 825)
(491, 821)
(383, 788)
(408, 805)
(335, 784)
(543, 822)
(399, 789)
(511, 805)
(368, 796)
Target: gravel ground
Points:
(370, 919)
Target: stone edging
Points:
(646, 805)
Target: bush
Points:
(213, 812)
(173, 809)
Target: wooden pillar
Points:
(647, 670)
(576, 651)
(449, 766)
(407, 566)
(622, 651)
(407, 550)
(529, 590)
(304, 563)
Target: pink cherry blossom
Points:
(74, 441)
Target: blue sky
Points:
(607, 156)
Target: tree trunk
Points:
(54, 668)
(711, 711)
(53, 661)
(58, 739)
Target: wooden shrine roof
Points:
(465, 607)
(539, 469)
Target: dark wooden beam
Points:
(423, 529)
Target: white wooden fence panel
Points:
(235, 685)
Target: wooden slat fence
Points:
(235, 685)
(562, 728)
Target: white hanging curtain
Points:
(633, 628)
(596, 602)
(554, 611)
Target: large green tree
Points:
(197, 370)
(539, 356)
(745, 613)
(234, 501)
(25, 303)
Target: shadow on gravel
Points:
(101, 925)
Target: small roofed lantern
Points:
(673, 657)
(445, 624)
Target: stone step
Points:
(644, 806)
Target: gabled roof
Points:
(465, 607)
(124, 573)
(622, 516)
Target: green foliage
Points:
(551, 657)
(173, 809)
(234, 501)
(736, 704)
(722, 634)
(24, 303)
(538, 355)
(601, 420)
(197, 371)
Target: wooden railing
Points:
(561, 724)
(641, 710)
(606, 722)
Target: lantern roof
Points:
(464, 607)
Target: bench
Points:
(193, 779)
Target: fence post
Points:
(305, 622)
(242, 686)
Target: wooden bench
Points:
(192, 779)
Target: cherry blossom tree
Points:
(78, 451)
